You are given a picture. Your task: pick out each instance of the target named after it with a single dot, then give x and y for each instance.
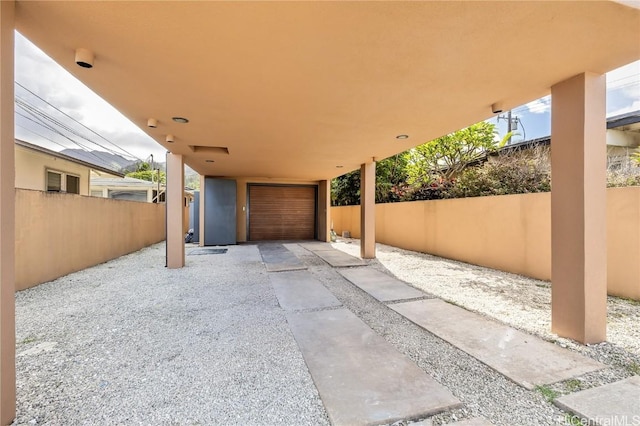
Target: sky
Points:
(40, 79)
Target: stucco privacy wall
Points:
(57, 234)
(510, 232)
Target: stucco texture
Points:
(57, 234)
(511, 233)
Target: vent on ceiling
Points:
(209, 149)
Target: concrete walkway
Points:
(225, 341)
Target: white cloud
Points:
(635, 106)
(40, 74)
(539, 106)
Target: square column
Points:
(324, 210)
(175, 210)
(202, 211)
(578, 209)
(7, 216)
(368, 210)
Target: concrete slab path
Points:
(299, 290)
(335, 258)
(362, 379)
(380, 285)
(277, 258)
(525, 359)
(613, 404)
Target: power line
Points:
(89, 129)
(37, 112)
(49, 127)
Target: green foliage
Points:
(627, 174)
(573, 385)
(636, 156)
(548, 393)
(150, 175)
(512, 173)
(345, 189)
(448, 155)
(634, 368)
(192, 181)
(391, 178)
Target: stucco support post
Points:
(578, 209)
(175, 210)
(368, 210)
(201, 217)
(7, 216)
(324, 210)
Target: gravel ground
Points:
(521, 302)
(131, 342)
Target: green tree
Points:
(636, 156)
(391, 178)
(150, 175)
(448, 155)
(391, 183)
(345, 189)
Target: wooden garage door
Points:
(282, 212)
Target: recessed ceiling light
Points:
(339, 167)
(180, 120)
(209, 161)
(402, 137)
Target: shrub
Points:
(506, 173)
(626, 174)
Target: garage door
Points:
(282, 212)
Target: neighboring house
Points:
(623, 138)
(133, 189)
(42, 169)
(127, 189)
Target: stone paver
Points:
(299, 290)
(613, 404)
(361, 377)
(380, 285)
(317, 246)
(277, 258)
(525, 359)
(335, 258)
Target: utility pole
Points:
(510, 123)
(509, 127)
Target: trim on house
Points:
(66, 157)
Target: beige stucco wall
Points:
(31, 167)
(510, 232)
(57, 234)
(623, 242)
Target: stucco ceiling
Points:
(294, 89)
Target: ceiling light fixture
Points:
(180, 120)
(209, 161)
(402, 137)
(84, 57)
(339, 167)
(152, 122)
(169, 139)
(497, 108)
